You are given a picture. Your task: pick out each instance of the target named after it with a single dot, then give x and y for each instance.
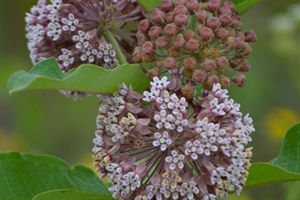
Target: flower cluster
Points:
(78, 31)
(203, 40)
(175, 148)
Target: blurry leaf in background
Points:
(279, 120)
(9, 141)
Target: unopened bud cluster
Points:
(202, 40)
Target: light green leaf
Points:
(286, 167)
(23, 176)
(242, 6)
(149, 5)
(86, 78)
(71, 195)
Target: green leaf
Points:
(23, 176)
(286, 167)
(70, 195)
(149, 5)
(289, 155)
(86, 78)
(265, 173)
(242, 6)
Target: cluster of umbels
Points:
(174, 148)
(196, 42)
(75, 32)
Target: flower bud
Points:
(240, 80)
(157, 16)
(230, 5)
(154, 72)
(250, 36)
(148, 48)
(180, 2)
(162, 42)
(223, 10)
(222, 62)
(181, 20)
(199, 75)
(178, 42)
(147, 57)
(189, 63)
(192, 45)
(144, 26)
(171, 30)
(192, 5)
(167, 5)
(181, 9)
(142, 38)
(213, 23)
(201, 15)
(210, 81)
(234, 63)
(206, 33)
(155, 32)
(213, 5)
(189, 34)
(221, 34)
(169, 63)
(169, 18)
(208, 65)
(137, 55)
(224, 81)
(231, 43)
(225, 20)
(244, 66)
(188, 91)
(172, 52)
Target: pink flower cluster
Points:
(174, 148)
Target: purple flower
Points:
(197, 152)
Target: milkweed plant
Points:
(166, 126)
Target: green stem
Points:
(112, 40)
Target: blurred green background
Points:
(45, 122)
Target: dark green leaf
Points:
(149, 5)
(71, 195)
(289, 155)
(86, 78)
(286, 167)
(265, 173)
(23, 176)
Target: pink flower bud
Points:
(206, 33)
(192, 45)
(148, 48)
(225, 20)
(208, 65)
(169, 63)
(213, 22)
(189, 63)
(221, 34)
(144, 26)
(213, 5)
(192, 5)
(155, 32)
(240, 80)
(171, 30)
(167, 5)
(189, 34)
(181, 9)
(157, 16)
(250, 36)
(201, 15)
(137, 55)
(181, 20)
(178, 42)
(199, 75)
(169, 18)
(162, 42)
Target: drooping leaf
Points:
(23, 176)
(286, 167)
(289, 155)
(86, 78)
(242, 6)
(71, 195)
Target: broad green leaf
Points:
(286, 167)
(23, 176)
(86, 78)
(70, 195)
(242, 6)
(289, 155)
(265, 173)
(149, 5)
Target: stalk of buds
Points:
(201, 40)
